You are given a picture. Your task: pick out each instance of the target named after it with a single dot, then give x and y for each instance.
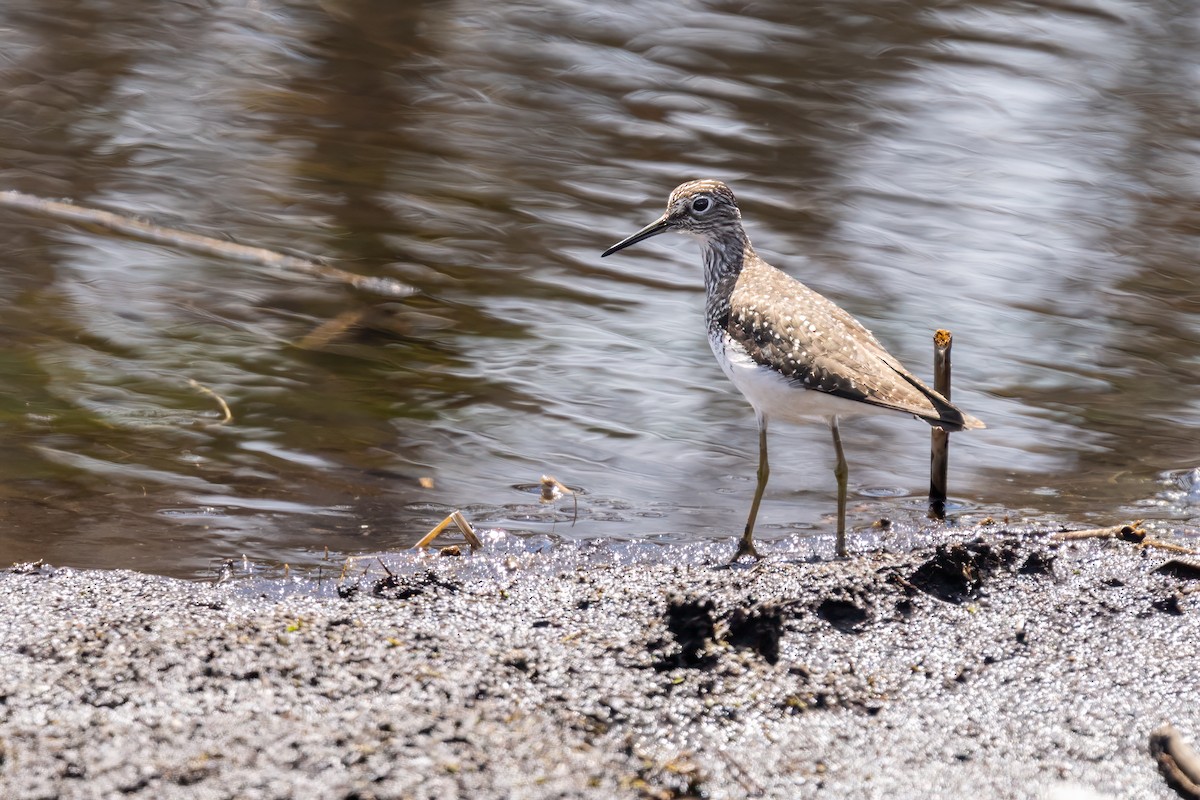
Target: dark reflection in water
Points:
(1023, 174)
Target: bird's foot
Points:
(745, 548)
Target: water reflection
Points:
(1023, 175)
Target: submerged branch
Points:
(205, 245)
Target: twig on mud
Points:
(1133, 532)
(200, 387)
(1177, 761)
(1171, 546)
(1130, 533)
(456, 518)
(206, 245)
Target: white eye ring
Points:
(701, 205)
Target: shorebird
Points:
(793, 353)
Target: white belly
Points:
(774, 396)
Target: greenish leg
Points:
(746, 547)
(842, 473)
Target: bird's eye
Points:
(701, 204)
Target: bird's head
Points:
(701, 208)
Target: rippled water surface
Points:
(1024, 174)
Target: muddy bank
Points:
(1002, 667)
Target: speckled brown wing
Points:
(784, 325)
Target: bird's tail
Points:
(946, 416)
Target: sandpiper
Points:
(794, 354)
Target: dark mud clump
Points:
(699, 631)
(1039, 562)
(956, 572)
(693, 625)
(845, 614)
(401, 587)
(758, 628)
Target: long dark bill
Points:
(653, 229)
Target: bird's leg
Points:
(746, 546)
(841, 472)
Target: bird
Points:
(794, 354)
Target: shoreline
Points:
(999, 665)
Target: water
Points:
(1026, 175)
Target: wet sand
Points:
(1003, 666)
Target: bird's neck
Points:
(725, 254)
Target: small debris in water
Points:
(227, 414)
(553, 489)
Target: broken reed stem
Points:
(205, 245)
(428, 538)
(466, 530)
(939, 446)
(457, 519)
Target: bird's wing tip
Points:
(972, 423)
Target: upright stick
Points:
(939, 448)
